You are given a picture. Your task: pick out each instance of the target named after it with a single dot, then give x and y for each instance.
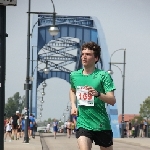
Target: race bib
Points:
(83, 97)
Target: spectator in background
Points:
(68, 128)
(34, 127)
(65, 127)
(15, 125)
(145, 128)
(127, 129)
(55, 127)
(22, 125)
(136, 128)
(32, 122)
(8, 129)
(48, 127)
(19, 127)
(130, 128)
(141, 134)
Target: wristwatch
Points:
(99, 94)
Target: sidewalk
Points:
(145, 142)
(71, 144)
(34, 144)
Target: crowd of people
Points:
(136, 129)
(14, 127)
(68, 127)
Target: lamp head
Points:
(110, 71)
(53, 30)
(46, 70)
(44, 84)
(42, 101)
(43, 93)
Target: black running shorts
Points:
(102, 138)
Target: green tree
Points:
(49, 120)
(14, 103)
(145, 108)
(139, 119)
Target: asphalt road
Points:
(64, 143)
(123, 146)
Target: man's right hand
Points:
(74, 111)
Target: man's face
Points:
(88, 58)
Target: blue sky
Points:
(125, 24)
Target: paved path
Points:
(64, 143)
(145, 142)
(34, 144)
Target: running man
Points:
(92, 88)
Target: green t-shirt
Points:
(93, 117)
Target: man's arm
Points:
(108, 86)
(108, 98)
(72, 96)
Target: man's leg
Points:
(84, 143)
(106, 148)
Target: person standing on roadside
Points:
(68, 128)
(136, 128)
(15, 125)
(130, 128)
(8, 130)
(55, 127)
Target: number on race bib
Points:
(85, 96)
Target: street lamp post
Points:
(27, 85)
(123, 83)
(3, 36)
(31, 83)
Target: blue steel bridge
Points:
(59, 52)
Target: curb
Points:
(43, 143)
(131, 143)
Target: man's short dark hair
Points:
(93, 46)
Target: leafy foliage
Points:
(138, 118)
(145, 108)
(14, 103)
